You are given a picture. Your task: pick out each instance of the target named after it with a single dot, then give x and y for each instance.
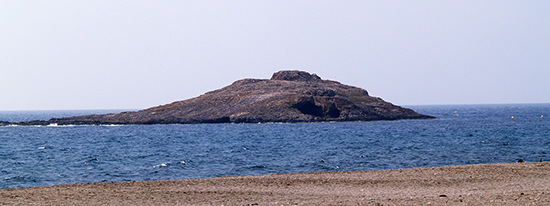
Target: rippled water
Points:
(471, 134)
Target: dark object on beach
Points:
(520, 160)
(289, 96)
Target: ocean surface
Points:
(33, 156)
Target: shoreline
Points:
(481, 184)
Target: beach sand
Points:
(484, 184)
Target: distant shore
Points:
(483, 184)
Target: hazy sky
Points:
(138, 54)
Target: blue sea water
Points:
(33, 156)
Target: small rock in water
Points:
(520, 160)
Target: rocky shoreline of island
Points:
(288, 96)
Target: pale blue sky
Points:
(137, 54)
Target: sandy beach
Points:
(484, 184)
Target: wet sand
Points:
(485, 184)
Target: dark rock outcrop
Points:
(295, 76)
(289, 96)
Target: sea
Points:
(32, 156)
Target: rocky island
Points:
(289, 96)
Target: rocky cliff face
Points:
(289, 96)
